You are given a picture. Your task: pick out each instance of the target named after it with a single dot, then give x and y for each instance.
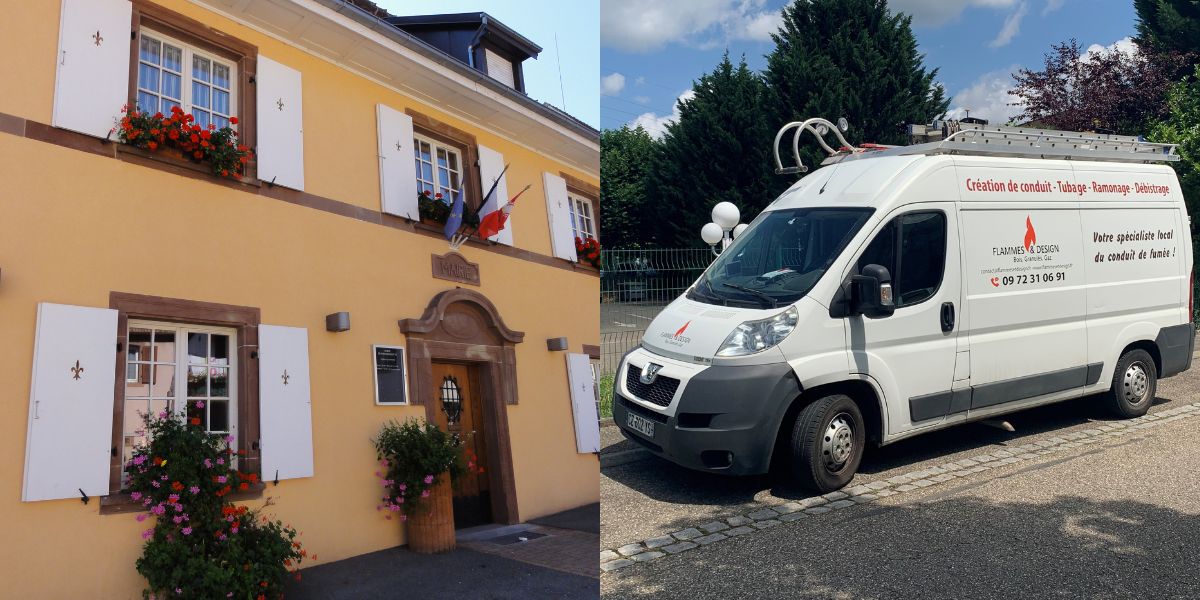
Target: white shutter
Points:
(285, 407)
(397, 170)
(583, 403)
(280, 124)
(500, 68)
(70, 403)
(559, 215)
(491, 164)
(92, 79)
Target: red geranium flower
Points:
(233, 120)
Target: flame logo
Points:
(682, 329)
(1030, 234)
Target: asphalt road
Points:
(628, 316)
(1114, 519)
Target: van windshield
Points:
(780, 257)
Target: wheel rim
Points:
(1135, 385)
(837, 444)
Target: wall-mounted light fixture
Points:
(338, 321)
(557, 344)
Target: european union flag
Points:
(454, 221)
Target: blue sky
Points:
(540, 20)
(652, 50)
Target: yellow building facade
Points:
(133, 279)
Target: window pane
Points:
(164, 346)
(218, 415)
(166, 106)
(134, 412)
(426, 171)
(197, 384)
(164, 380)
(171, 87)
(201, 118)
(220, 122)
(194, 411)
(147, 102)
(453, 161)
(172, 58)
(443, 177)
(443, 162)
(199, 95)
(148, 77)
(219, 382)
(197, 348)
(220, 102)
(139, 337)
(922, 257)
(221, 76)
(200, 69)
(881, 251)
(149, 50)
(220, 350)
(423, 151)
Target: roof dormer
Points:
(476, 39)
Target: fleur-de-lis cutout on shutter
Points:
(279, 103)
(77, 370)
(398, 146)
(286, 377)
(97, 38)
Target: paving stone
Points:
(647, 556)
(607, 555)
(680, 547)
(796, 516)
(864, 498)
(688, 534)
(943, 478)
(899, 480)
(659, 542)
(788, 508)
(840, 504)
(983, 458)
(925, 482)
(817, 510)
(811, 502)
(936, 470)
(877, 485)
(613, 565)
(1002, 453)
(705, 540)
(1091, 432)
(767, 523)
(856, 490)
(908, 487)
(950, 467)
(1027, 456)
(739, 531)
(831, 496)
(713, 527)
(966, 462)
(631, 549)
(738, 521)
(886, 493)
(766, 513)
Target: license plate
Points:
(640, 424)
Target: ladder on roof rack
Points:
(986, 140)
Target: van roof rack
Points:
(984, 140)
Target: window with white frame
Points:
(583, 221)
(181, 369)
(439, 167)
(171, 73)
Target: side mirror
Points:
(871, 292)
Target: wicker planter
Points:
(431, 527)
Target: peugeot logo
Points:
(650, 373)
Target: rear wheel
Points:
(827, 443)
(1134, 384)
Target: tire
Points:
(1134, 384)
(827, 443)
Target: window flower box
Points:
(179, 137)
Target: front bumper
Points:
(723, 419)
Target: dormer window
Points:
(500, 68)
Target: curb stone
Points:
(768, 516)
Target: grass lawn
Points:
(606, 396)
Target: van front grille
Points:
(659, 393)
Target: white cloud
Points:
(1124, 45)
(1011, 27)
(647, 25)
(1052, 5)
(987, 98)
(612, 84)
(934, 13)
(655, 125)
(642, 99)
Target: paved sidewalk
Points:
(1112, 514)
(557, 560)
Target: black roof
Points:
(474, 20)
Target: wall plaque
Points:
(451, 266)
(391, 382)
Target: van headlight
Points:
(756, 336)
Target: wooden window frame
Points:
(434, 146)
(242, 56)
(188, 75)
(576, 201)
(464, 143)
(578, 188)
(245, 321)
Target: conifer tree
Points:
(625, 156)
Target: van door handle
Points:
(947, 316)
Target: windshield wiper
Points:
(711, 294)
(771, 303)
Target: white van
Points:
(900, 291)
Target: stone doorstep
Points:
(771, 516)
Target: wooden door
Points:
(460, 410)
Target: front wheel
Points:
(827, 443)
(1134, 384)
